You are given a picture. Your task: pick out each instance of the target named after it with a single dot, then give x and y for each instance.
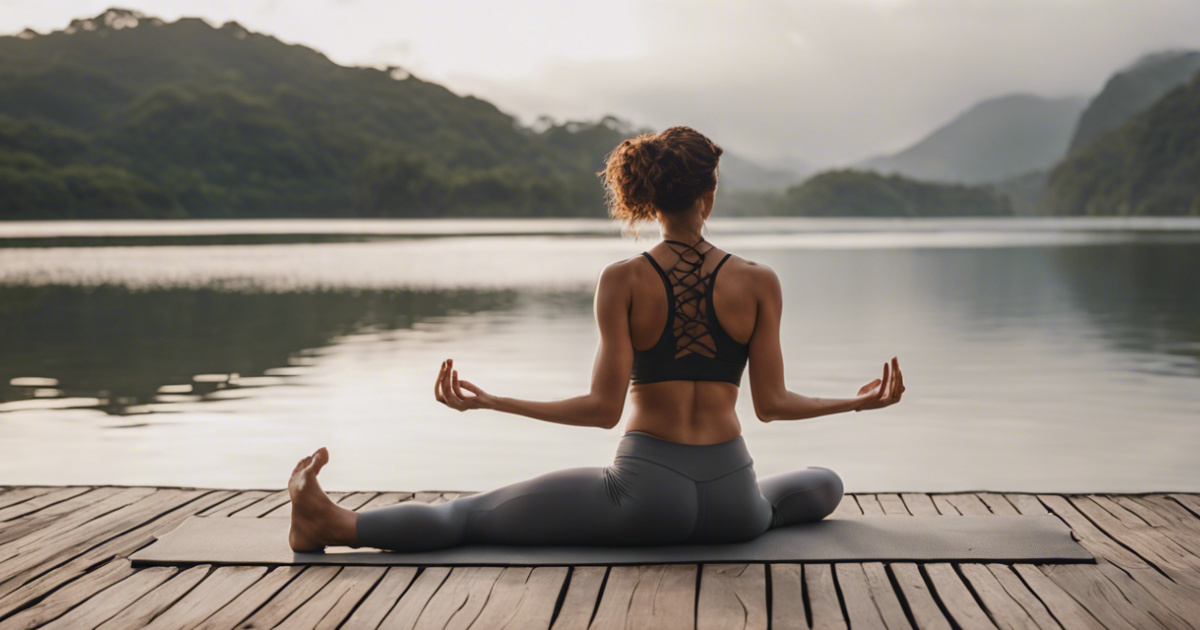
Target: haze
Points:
(818, 81)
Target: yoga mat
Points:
(263, 541)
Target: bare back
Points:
(683, 411)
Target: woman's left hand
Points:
(448, 390)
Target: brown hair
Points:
(659, 172)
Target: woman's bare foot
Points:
(316, 520)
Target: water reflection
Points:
(118, 349)
(1037, 360)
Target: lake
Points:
(1039, 355)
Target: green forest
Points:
(124, 116)
(850, 193)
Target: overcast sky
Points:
(826, 81)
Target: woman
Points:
(681, 321)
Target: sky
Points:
(824, 82)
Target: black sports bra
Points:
(693, 346)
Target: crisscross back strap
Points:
(689, 290)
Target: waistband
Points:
(698, 462)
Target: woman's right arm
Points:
(772, 400)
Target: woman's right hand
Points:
(884, 392)
(448, 390)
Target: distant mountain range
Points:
(126, 115)
(993, 140)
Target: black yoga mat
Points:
(263, 541)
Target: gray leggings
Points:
(655, 492)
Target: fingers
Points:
(456, 383)
(471, 387)
(899, 380)
(885, 383)
(437, 385)
(448, 386)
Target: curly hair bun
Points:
(661, 172)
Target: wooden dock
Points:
(63, 564)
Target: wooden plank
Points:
(860, 607)
(40, 501)
(218, 589)
(14, 496)
(944, 506)
(1175, 519)
(230, 615)
(892, 504)
(1097, 595)
(1167, 539)
(21, 527)
(886, 599)
(998, 504)
(846, 508)
(65, 598)
(1005, 611)
(1162, 552)
(384, 499)
(138, 614)
(869, 505)
(925, 611)
(236, 503)
(1026, 504)
(287, 600)
(379, 602)
(330, 606)
(1064, 607)
(650, 596)
(356, 500)
(74, 521)
(103, 605)
(23, 588)
(968, 504)
(823, 597)
(1020, 593)
(1091, 537)
(264, 506)
(523, 598)
(732, 596)
(583, 591)
(787, 597)
(406, 611)
(1190, 502)
(460, 599)
(957, 599)
(919, 504)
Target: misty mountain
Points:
(1150, 165)
(993, 140)
(1133, 90)
(126, 115)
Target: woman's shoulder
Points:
(748, 271)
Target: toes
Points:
(320, 458)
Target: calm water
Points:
(1039, 356)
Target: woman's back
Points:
(669, 330)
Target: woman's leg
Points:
(631, 502)
(576, 506)
(802, 496)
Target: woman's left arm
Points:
(603, 404)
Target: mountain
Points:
(850, 193)
(1150, 165)
(126, 115)
(993, 140)
(1133, 90)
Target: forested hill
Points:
(1132, 90)
(1148, 166)
(125, 115)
